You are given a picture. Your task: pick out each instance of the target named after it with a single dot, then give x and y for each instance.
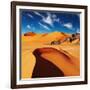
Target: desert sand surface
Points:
(65, 56)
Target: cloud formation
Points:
(37, 13)
(68, 25)
(30, 15)
(48, 19)
(44, 26)
(28, 26)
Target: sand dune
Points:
(54, 36)
(29, 34)
(61, 59)
(44, 67)
(65, 56)
(45, 37)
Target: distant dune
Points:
(44, 34)
(44, 38)
(29, 34)
(54, 36)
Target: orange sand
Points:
(30, 43)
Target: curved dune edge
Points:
(62, 63)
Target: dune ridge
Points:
(30, 34)
(63, 61)
(44, 67)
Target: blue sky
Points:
(49, 21)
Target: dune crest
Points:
(45, 68)
(63, 61)
(29, 34)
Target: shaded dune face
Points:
(45, 68)
(51, 62)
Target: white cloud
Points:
(37, 13)
(48, 19)
(28, 26)
(54, 16)
(44, 26)
(57, 20)
(30, 15)
(68, 25)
